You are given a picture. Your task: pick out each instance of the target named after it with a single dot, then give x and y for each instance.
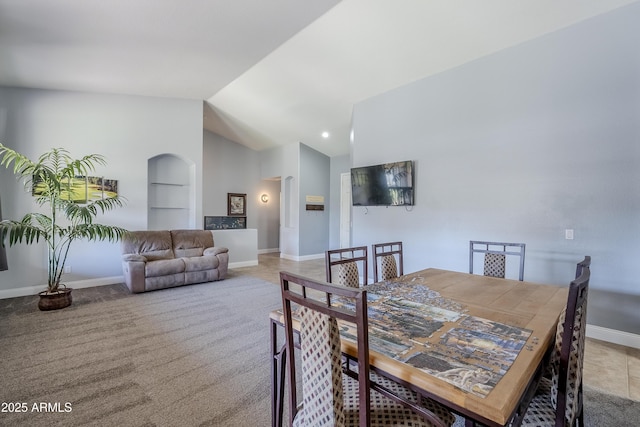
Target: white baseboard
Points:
(268, 251)
(302, 258)
(243, 264)
(78, 284)
(613, 336)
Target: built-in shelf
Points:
(169, 196)
(169, 183)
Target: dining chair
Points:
(558, 401)
(387, 261)
(343, 266)
(330, 397)
(495, 254)
(586, 262)
(580, 266)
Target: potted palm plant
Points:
(52, 179)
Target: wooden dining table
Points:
(475, 344)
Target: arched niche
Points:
(171, 196)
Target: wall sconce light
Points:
(264, 198)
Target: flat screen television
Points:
(388, 184)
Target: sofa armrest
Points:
(134, 274)
(134, 257)
(215, 250)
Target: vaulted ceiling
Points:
(269, 72)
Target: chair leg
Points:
(580, 417)
(580, 413)
(280, 399)
(278, 365)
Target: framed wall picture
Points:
(236, 204)
(81, 189)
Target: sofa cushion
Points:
(201, 276)
(164, 267)
(191, 252)
(216, 250)
(191, 243)
(201, 263)
(153, 245)
(162, 282)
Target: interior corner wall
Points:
(314, 181)
(519, 146)
(127, 130)
(284, 161)
(229, 167)
(269, 216)
(303, 171)
(338, 166)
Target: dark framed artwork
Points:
(236, 204)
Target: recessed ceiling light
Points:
(325, 134)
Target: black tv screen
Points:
(389, 184)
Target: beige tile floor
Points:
(611, 368)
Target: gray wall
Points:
(519, 146)
(303, 171)
(269, 217)
(339, 165)
(284, 162)
(314, 181)
(128, 130)
(233, 168)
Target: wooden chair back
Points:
(586, 262)
(308, 294)
(495, 254)
(386, 256)
(568, 357)
(347, 265)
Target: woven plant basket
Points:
(54, 301)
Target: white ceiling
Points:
(271, 72)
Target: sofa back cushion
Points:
(153, 245)
(190, 243)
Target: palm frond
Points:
(98, 232)
(19, 231)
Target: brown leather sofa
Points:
(162, 259)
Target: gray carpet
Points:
(190, 356)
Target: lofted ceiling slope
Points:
(269, 72)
